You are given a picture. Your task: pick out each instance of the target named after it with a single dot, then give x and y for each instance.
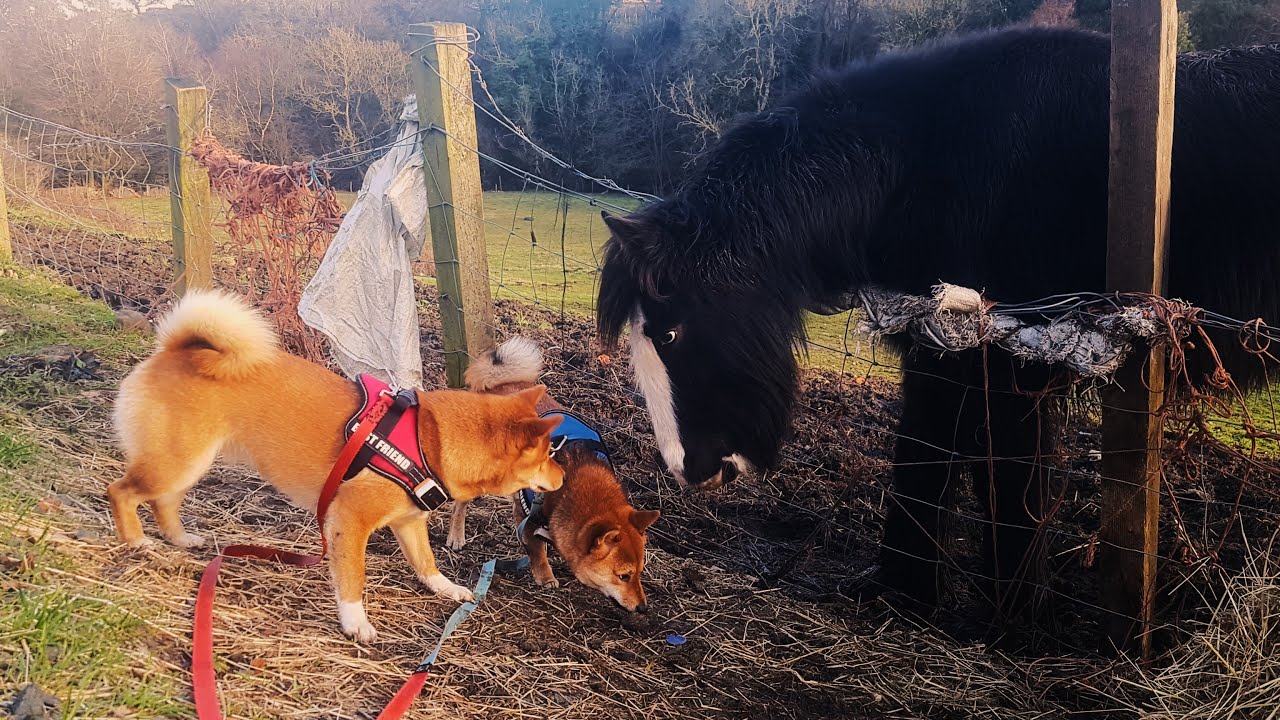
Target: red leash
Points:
(203, 678)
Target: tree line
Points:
(626, 89)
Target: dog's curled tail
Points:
(225, 337)
(516, 360)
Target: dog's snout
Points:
(642, 608)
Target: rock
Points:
(33, 703)
(127, 319)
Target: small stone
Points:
(127, 319)
(33, 703)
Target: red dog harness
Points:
(383, 436)
(393, 449)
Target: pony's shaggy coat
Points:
(981, 162)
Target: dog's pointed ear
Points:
(532, 395)
(538, 429)
(603, 537)
(642, 519)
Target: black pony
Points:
(980, 162)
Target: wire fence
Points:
(97, 211)
(834, 486)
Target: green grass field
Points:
(546, 252)
(62, 624)
(541, 250)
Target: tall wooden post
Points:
(1144, 41)
(6, 242)
(190, 199)
(441, 73)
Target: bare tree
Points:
(252, 78)
(351, 82)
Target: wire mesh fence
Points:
(97, 211)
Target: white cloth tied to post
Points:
(954, 318)
(362, 296)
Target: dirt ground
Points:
(761, 578)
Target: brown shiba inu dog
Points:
(588, 520)
(218, 385)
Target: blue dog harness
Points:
(572, 429)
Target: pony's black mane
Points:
(791, 194)
(981, 161)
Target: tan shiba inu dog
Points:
(589, 520)
(218, 385)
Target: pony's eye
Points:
(669, 337)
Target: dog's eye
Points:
(668, 337)
(625, 577)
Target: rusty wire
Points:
(279, 220)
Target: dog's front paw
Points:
(361, 632)
(442, 585)
(355, 624)
(139, 542)
(543, 577)
(456, 541)
(188, 540)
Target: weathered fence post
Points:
(6, 242)
(190, 201)
(441, 71)
(1144, 38)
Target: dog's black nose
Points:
(642, 608)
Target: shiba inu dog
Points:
(218, 385)
(588, 520)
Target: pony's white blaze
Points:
(655, 385)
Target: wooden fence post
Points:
(190, 199)
(1144, 40)
(441, 73)
(6, 242)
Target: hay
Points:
(752, 650)
(1230, 666)
(758, 577)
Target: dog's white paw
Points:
(188, 540)
(551, 582)
(140, 542)
(442, 585)
(362, 632)
(456, 542)
(355, 624)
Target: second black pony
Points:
(981, 162)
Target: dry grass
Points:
(751, 650)
(755, 577)
(1229, 667)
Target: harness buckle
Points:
(430, 494)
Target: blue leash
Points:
(464, 610)
(399, 704)
(505, 567)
